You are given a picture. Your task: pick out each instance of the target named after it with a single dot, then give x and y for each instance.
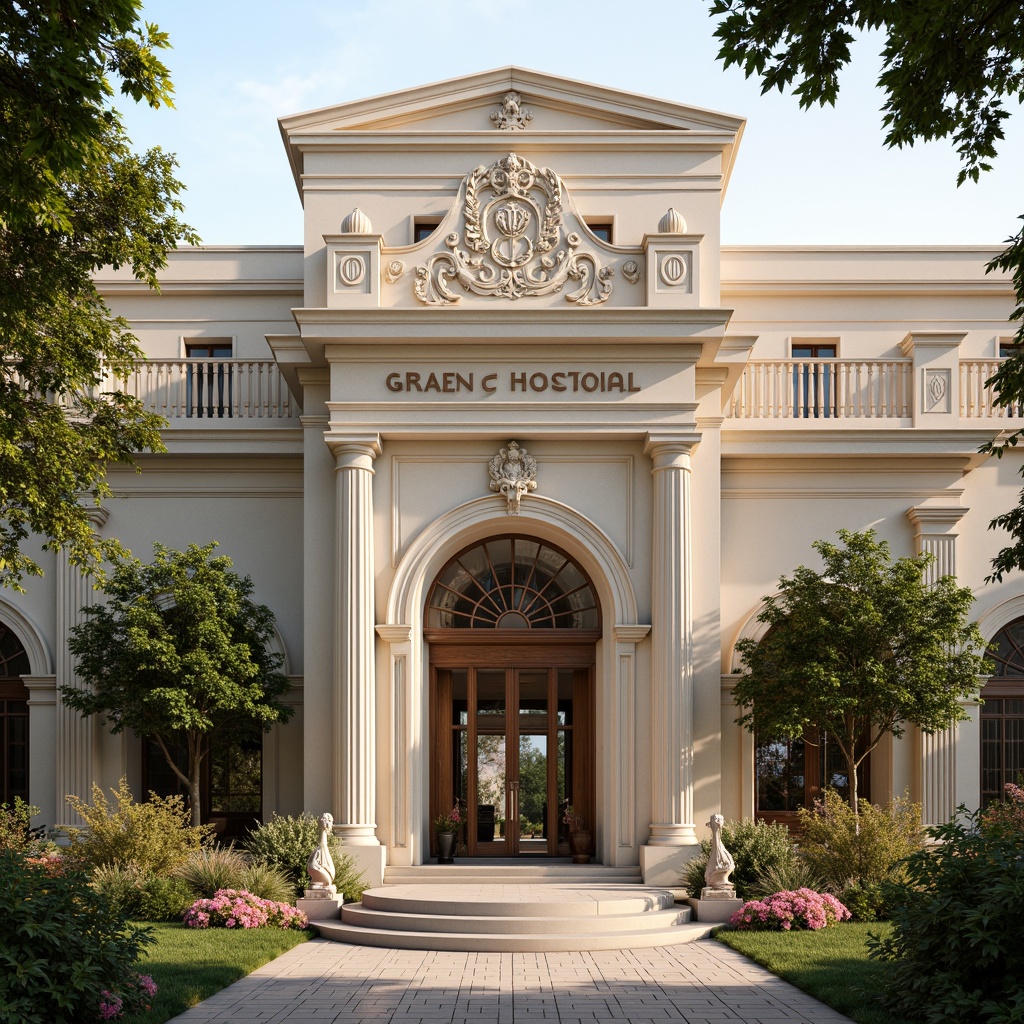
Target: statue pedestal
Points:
(715, 906)
(320, 908)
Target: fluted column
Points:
(672, 643)
(935, 533)
(74, 735)
(354, 761)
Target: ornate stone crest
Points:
(514, 241)
(511, 115)
(513, 473)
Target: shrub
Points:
(957, 944)
(756, 847)
(784, 911)
(287, 842)
(236, 908)
(64, 950)
(16, 825)
(119, 886)
(155, 836)
(785, 876)
(164, 899)
(266, 881)
(211, 868)
(845, 849)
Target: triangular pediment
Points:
(542, 104)
(466, 104)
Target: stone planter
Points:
(579, 845)
(445, 847)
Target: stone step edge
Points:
(379, 899)
(462, 942)
(357, 916)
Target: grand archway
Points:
(512, 623)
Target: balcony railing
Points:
(823, 389)
(242, 389)
(978, 400)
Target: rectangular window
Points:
(601, 228)
(208, 378)
(424, 227)
(814, 389)
(1002, 743)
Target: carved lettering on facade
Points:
(514, 242)
(452, 382)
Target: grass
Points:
(832, 965)
(189, 964)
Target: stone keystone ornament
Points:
(513, 473)
(321, 865)
(720, 865)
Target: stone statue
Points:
(720, 862)
(320, 864)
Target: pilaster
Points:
(942, 787)
(404, 837)
(936, 356)
(74, 735)
(623, 754)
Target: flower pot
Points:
(445, 847)
(579, 844)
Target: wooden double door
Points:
(512, 736)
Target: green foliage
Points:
(287, 842)
(152, 837)
(120, 886)
(756, 847)
(854, 854)
(16, 825)
(61, 945)
(163, 899)
(73, 198)
(957, 945)
(179, 651)
(785, 876)
(211, 868)
(865, 646)
(267, 881)
(948, 71)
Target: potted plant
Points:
(446, 827)
(579, 837)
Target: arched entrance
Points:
(14, 663)
(512, 624)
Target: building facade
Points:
(514, 448)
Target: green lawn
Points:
(832, 965)
(189, 964)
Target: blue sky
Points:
(802, 177)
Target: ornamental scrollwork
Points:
(514, 242)
(513, 473)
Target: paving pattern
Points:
(324, 982)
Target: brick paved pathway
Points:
(324, 982)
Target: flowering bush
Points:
(784, 911)
(1008, 816)
(137, 994)
(450, 822)
(237, 908)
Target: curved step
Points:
(487, 942)
(357, 915)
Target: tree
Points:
(178, 652)
(73, 198)
(860, 649)
(949, 68)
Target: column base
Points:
(663, 866)
(357, 835)
(673, 835)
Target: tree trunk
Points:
(194, 774)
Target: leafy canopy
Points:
(178, 652)
(73, 198)
(861, 648)
(950, 69)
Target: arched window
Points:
(512, 583)
(1002, 714)
(13, 718)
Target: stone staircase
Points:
(513, 907)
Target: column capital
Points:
(630, 634)
(353, 451)
(671, 448)
(935, 518)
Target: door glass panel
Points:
(490, 699)
(490, 788)
(460, 697)
(533, 698)
(533, 793)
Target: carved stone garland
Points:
(513, 473)
(515, 242)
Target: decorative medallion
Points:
(393, 271)
(513, 473)
(631, 271)
(515, 241)
(511, 116)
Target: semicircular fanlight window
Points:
(512, 583)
